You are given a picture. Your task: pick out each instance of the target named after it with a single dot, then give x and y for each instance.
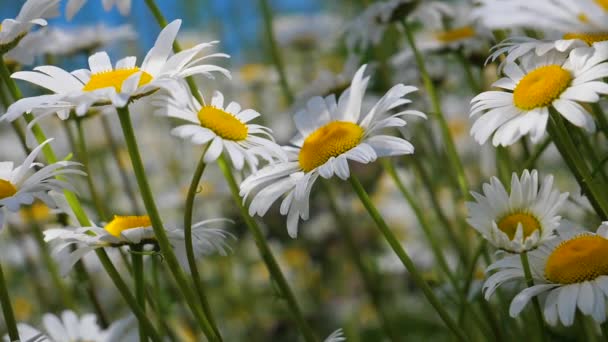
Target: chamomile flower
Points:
(570, 272)
(73, 6)
(520, 220)
(68, 42)
(131, 230)
(330, 133)
(534, 86)
(33, 12)
(23, 184)
(105, 84)
(226, 128)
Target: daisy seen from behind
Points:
(536, 86)
(225, 127)
(521, 220)
(104, 84)
(330, 133)
(570, 273)
(33, 12)
(21, 185)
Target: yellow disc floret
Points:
(584, 257)
(589, 38)
(541, 87)
(509, 223)
(455, 34)
(122, 223)
(7, 189)
(222, 123)
(602, 3)
(329, 141)
(115, 79)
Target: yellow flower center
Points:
(509, 223)
(122, 223)
(223, 124)
(329, 141)
(7, 189)
(588, 38)
(602, 3)
(583, 18)
(455, 34)
(115, 79)
(37, 212)
(582, 258)
(540, 87)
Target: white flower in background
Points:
(21, 185)
(116, 85)
(305, 31)
(69, 327)
(32, 13)
(521, 220)
(67, 42)
(132, 230)
(330, 133)
(226, 128)
(535, 85)
(569, 273)
(336, 336)
(73, 6)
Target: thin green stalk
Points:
(272, 45)
(267, 256)
(405, 259)
(83, 275)
(158, 294)
(530, 282)
(601, 118)
(83, 156)
(604, 327)
(448, 141)
(424, 223)
(370, 280)
(157, 225)
(16, 126)
(199, 286)
(140, 285)
(538, 151)
(468, 70)
(7, 308)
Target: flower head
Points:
(32, 13)
(73, 6)
(330, 133)
(520, 220)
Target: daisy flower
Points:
(131, 230)
(32, 13)
(521, 220)
(104, 84)
(73, 6)
(23, 184)
(68, 42)
(536, 85)
(226, 128)
(330, 133)
(570, 272)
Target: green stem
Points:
(267, 256)
(604, 327)
(601, 118)
(538, 151)
(83, 155)
(530, 282)
(276, 56)
(367, 276)
(405, 259)
(468, 70)
(7, 308)
(157, 225)
(140, 285)
(196, 278)
(448, 141)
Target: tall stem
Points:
(140, 285)
(405, 259)
(199, 286)
(530, 282)
(83, 156)
(159, 231)
(267, 256)
(7, 308)
(448, 141)
(276, 56)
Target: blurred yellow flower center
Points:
(115, 79)
(122, 223)
(455, 34)
(329, 141)
(582, 17)
(588, 38)
(7, 189)
(223, 124)
(508, 224)
(37, 212)
(582, 258)
(541, 87)
(602, 3)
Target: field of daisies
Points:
(370, 170)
